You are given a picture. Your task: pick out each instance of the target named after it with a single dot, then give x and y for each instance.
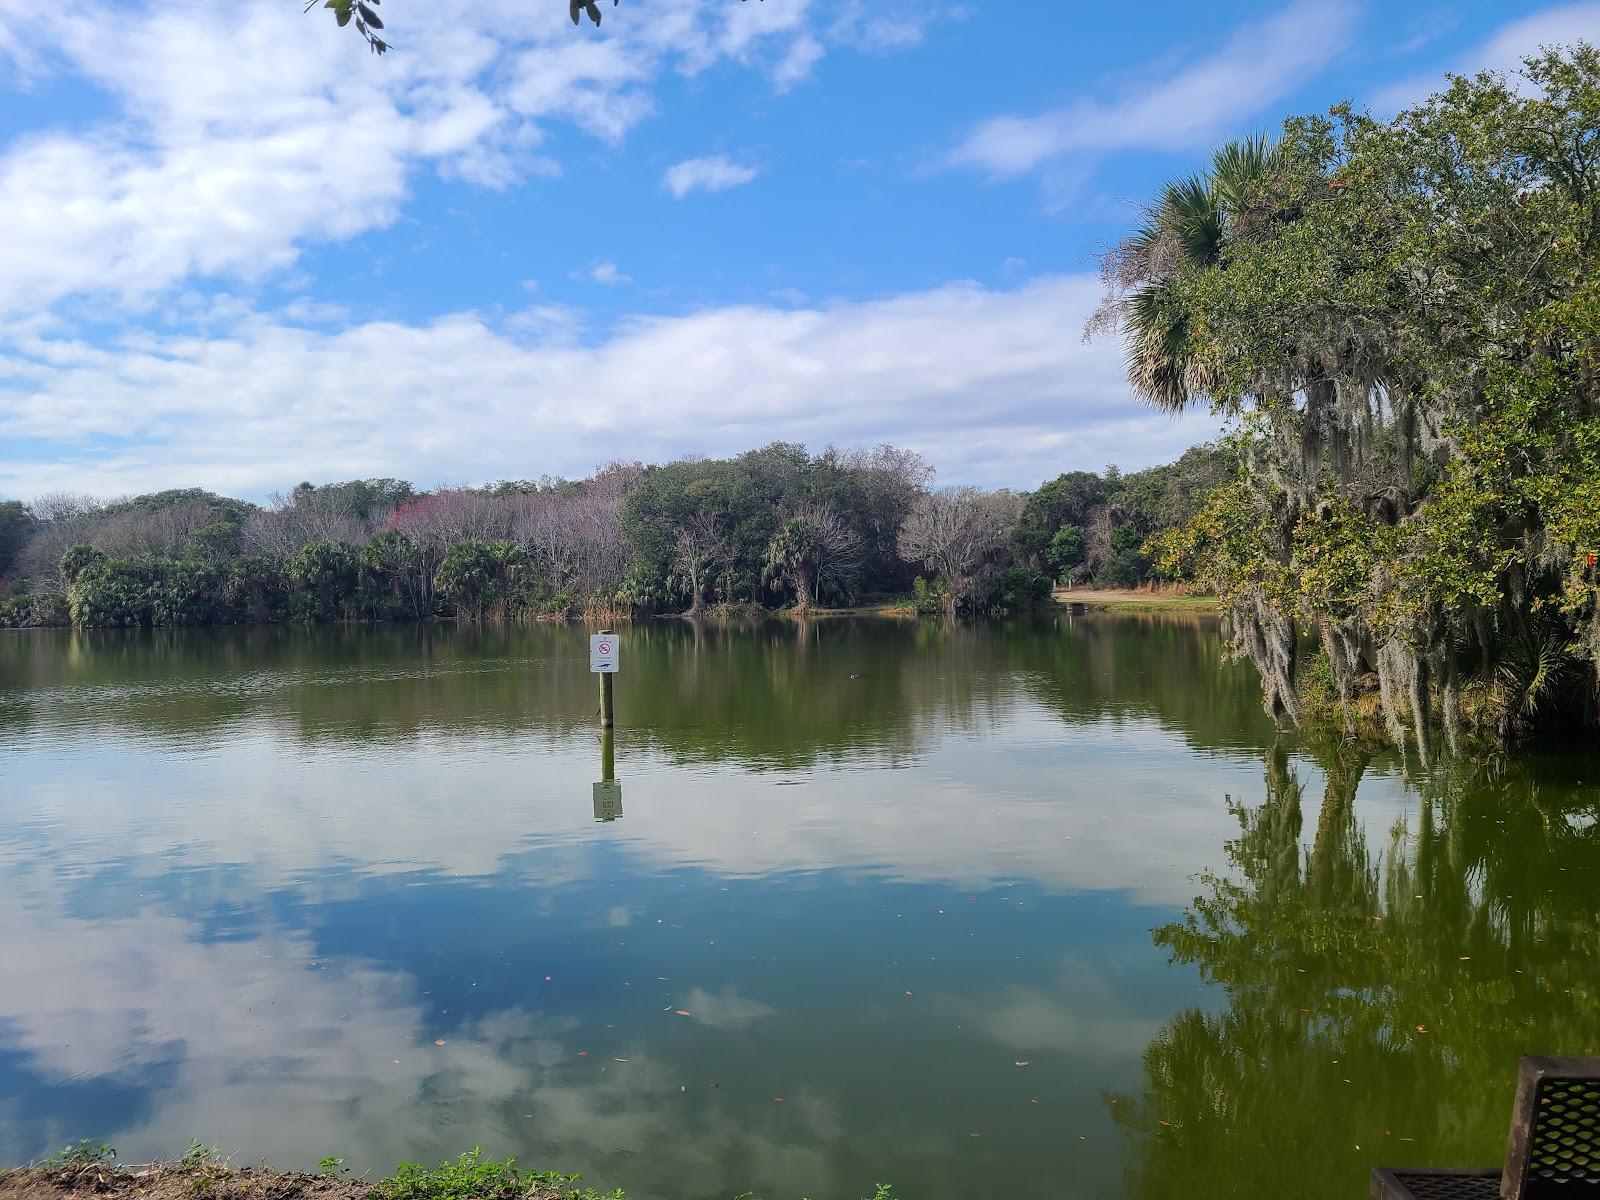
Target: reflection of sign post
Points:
(608, 792)
(607, 800)
(603, 662)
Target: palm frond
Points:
(1158, 351)
(1191, 212)
(1238, 166)
(1532, 670)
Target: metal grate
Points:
(1448, 1185)
(1439, 1186)
(1553, 1152)
(1414, 1183)
(1566, 1134)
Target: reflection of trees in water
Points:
(1376, 1004)
(777, 693)
(1166, 667)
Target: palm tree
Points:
(814, 548)
(792, 559)
(1185, 232)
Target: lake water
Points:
(1034, 909)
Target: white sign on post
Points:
(603, 654)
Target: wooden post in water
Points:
(603, 661)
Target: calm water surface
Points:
(1040, 909)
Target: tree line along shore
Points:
(777, 527)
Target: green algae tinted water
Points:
(1036, 909)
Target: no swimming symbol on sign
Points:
(603, 654)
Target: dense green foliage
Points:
(324, 577)
(775, 527)
(1401, 317)
(478, 576)
(772, 524)
(1082, 528)
(16, 528)
(147, 591)
(473, 1177)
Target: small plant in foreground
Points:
(558, 1184)
(331, 1165)
(198, 1153)
(82, 1153)
(469, 1177)
(472, 1177)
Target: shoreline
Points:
(85, 1172)
(1109, 600)
(92, 1172)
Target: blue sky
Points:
(239, 251)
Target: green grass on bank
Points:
(473, 1177)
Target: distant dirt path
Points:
(1131, 598)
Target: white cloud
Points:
(1193, 106)
(591, 83)
(238, 136)
(714, 173)
(1551, 27)
(882, 26)
(726, 1009)
(1082, 1014)
(119, 999)
(804, 53)
(1424, 29)
(608, 274)
(223, 161)
(1504, 51)
(276, 1050)
(745, 26)
(993, 386)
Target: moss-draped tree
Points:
(1400, 317)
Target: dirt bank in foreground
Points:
(175, 1181)
(208, 1181)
